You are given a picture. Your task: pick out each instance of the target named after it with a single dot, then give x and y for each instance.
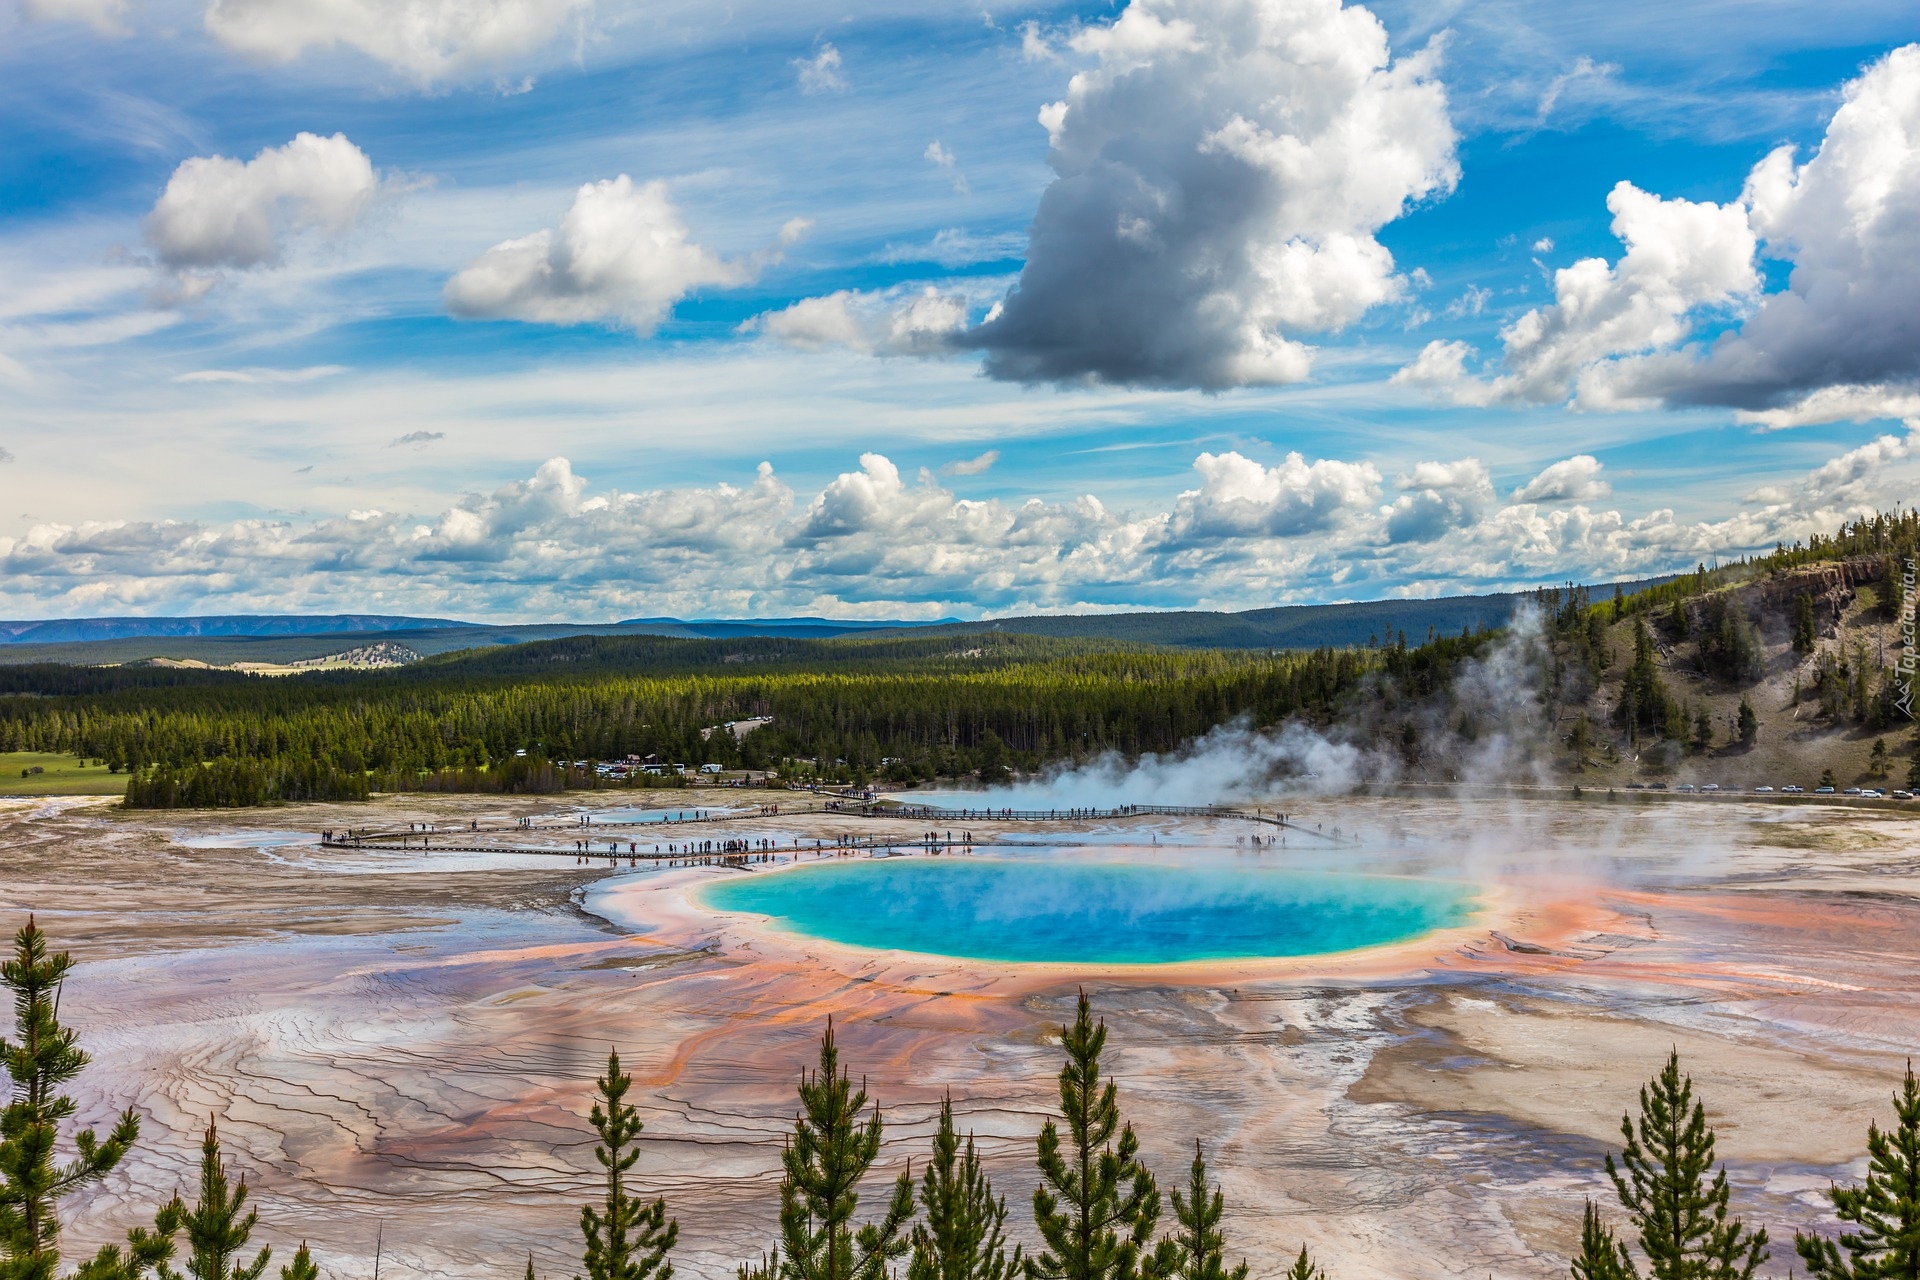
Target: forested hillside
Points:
(1777, 670)
(1784, 670)
(838, 709)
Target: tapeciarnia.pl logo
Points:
(1904, 668)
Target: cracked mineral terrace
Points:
(404, 1041)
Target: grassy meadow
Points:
(61, 775)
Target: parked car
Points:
(1903, 795)
(1823, 791)
(1685, 786)
(1790, 789)
(1763, 791)
(1711, 786)
(1850, 791)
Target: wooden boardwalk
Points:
(665, 829)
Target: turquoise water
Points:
(1092, 912)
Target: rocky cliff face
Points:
(1832, 587)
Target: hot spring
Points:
(1088, 912)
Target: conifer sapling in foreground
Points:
(44, 1056)
(627, 1239)
(1097, 1204)
(828, 1154)
(1202, 1247)
(963, 1236)
(1601, 1257)
(1881, 1237)
(1680, 1216)
(1304, 1269)
(216, 1229)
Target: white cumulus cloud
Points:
(1220, 171)
(876, 541)
(1575, 479)
(1441, 368)
(1841, 402)
(1841, 340)
(1681, 255)
(1240, 497)
(1437, 497)
(1848, 219)
(218, 212)
(620, 254)
(920, 321)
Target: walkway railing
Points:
(450, 836)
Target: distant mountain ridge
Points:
(230, 638)
(237, 625)
(821, 628)
(77, 630)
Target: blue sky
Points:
(530, 309)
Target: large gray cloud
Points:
(1842, 339)
(1849, 221)
(1222, 167)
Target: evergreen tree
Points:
(216, 1231)
(1702, 731)
(993, 759)
(1877, 765)
(302, 1267)
(1601, 654)
(628, 1239)
(962, 1237)
(1805, 636)
(1681, 1217)
(829, 1153)
(1730, 646)
(32, 1183)
(1096, 1205)
(1884, 1212)
(1645, 702)
(1601, 1257)
(1303, 1268)
(1201, 1247)
(1748, 724)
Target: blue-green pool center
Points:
(1066, 911)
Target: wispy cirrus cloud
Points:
(822, 72)
(429, 40)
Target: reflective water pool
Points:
(1092, 912)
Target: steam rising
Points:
(1491, 725)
